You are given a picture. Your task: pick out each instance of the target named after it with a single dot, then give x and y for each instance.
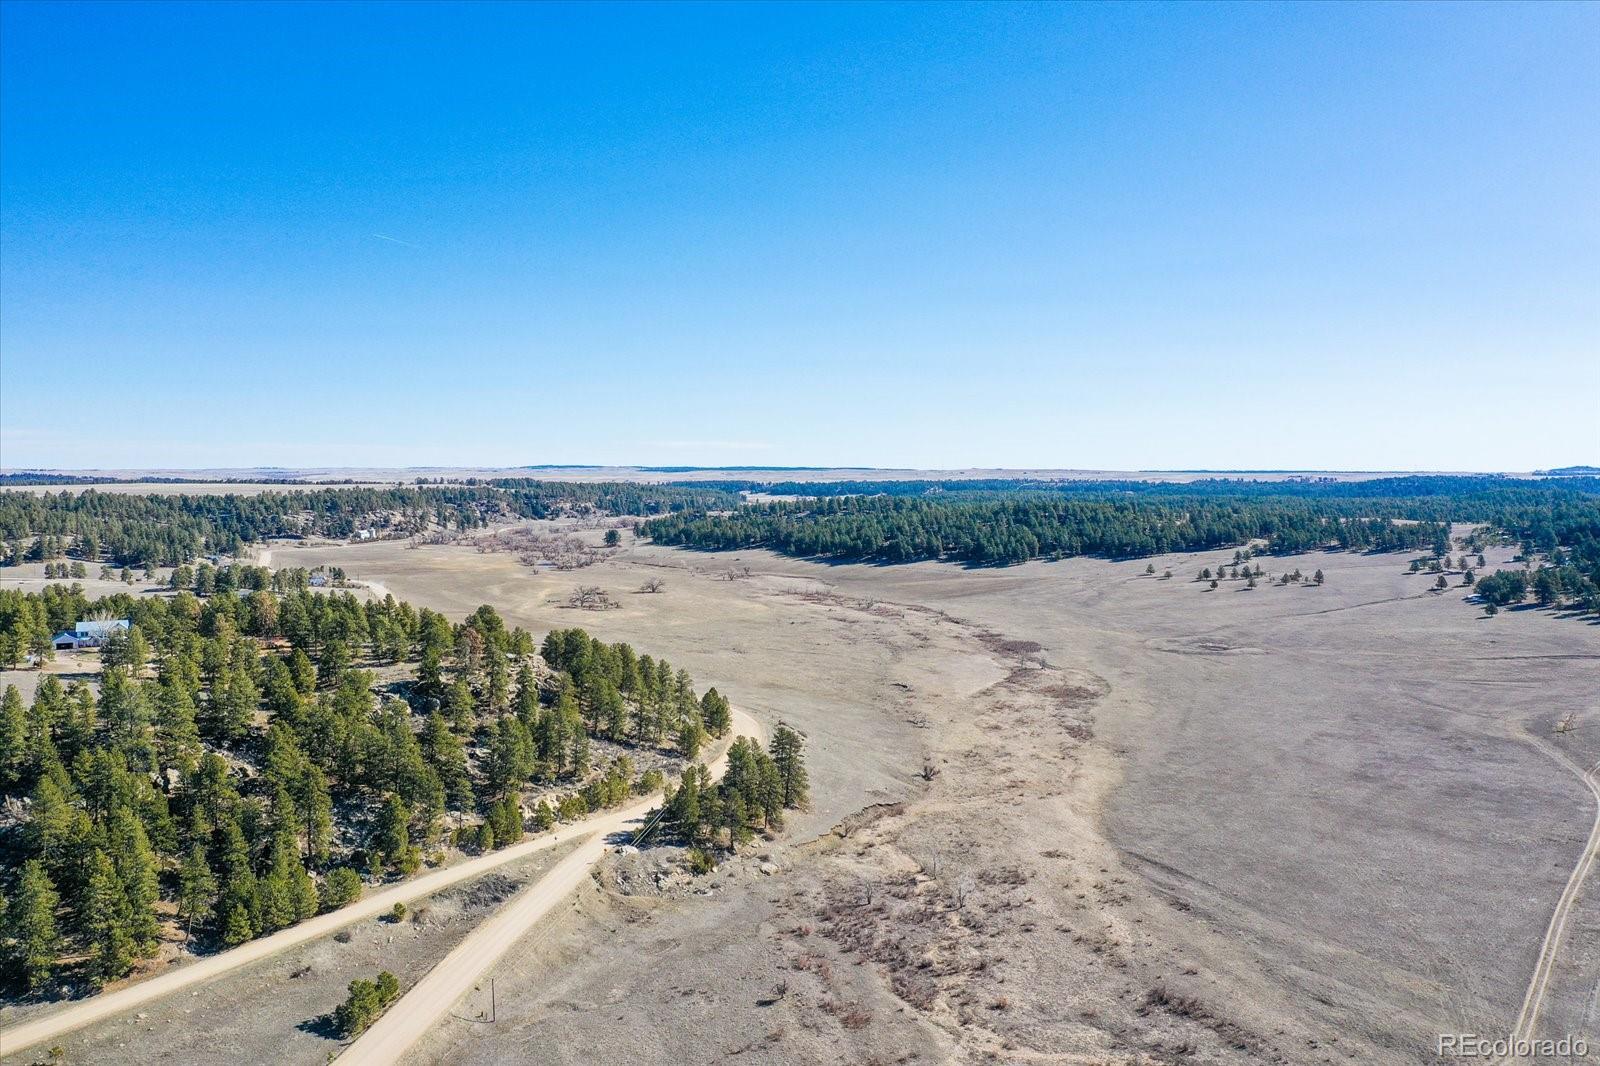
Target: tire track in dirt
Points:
(1550, 949)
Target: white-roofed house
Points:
(88, 634)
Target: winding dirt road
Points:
(108, 1004)
(1528, 1019)
(431, 998)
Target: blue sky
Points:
(1116, 236)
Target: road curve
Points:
(431, 998)
(108, 1004)
(1528, 1018)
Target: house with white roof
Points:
(88, 634)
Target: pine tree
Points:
(315, 806)
(788, 754)
(543, 817)
(135, 863)
(459, 706)
(691, 735)
(507, 820)
(303, 673)
(342, 886)
(240, 890)
(234, 707)
(278, 903)
(13, 740)
(771, 793)
(55, 826)
(236, 925)
(177, 737)
(31, 925)
(103, 916)
(526, 700)
(197, 889)
(392, 837)
(715, 713)
(448, 757)
(360, 1008)
(302, 890)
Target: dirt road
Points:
(432, 997)
(124, 999)
(1549, 950)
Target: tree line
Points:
(133, 529)
(1013, 530)
(1450, 492)
(1002, 522)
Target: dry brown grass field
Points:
(1063, 812)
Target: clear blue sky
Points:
(1116, 236)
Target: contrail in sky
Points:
(396, 240)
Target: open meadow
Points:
(1073, 808)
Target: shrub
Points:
(359, 1009)
(366, 1001)
(342, 886)
(543, 817)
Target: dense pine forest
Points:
(997, 523)
(1010, 530)
(134, 529)
(251, 757)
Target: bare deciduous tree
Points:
(591, 598)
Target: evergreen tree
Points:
(135, 864)
(103, 916)
(240, 905)
(506, 820)
(716, 713)
(13, 740)
(360, 1009)
(30, 924)
(303, 673)
(177, 736)
(448, 757)
(392, 838)
(302, 890)
(197, 890)
(56, 827)
(459, 705)
(789, 757)
(691, 735)
(236, 925)
(343, 886)
(277, 888)
(315, 806)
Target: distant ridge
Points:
(732, 469)
(1570, 471)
